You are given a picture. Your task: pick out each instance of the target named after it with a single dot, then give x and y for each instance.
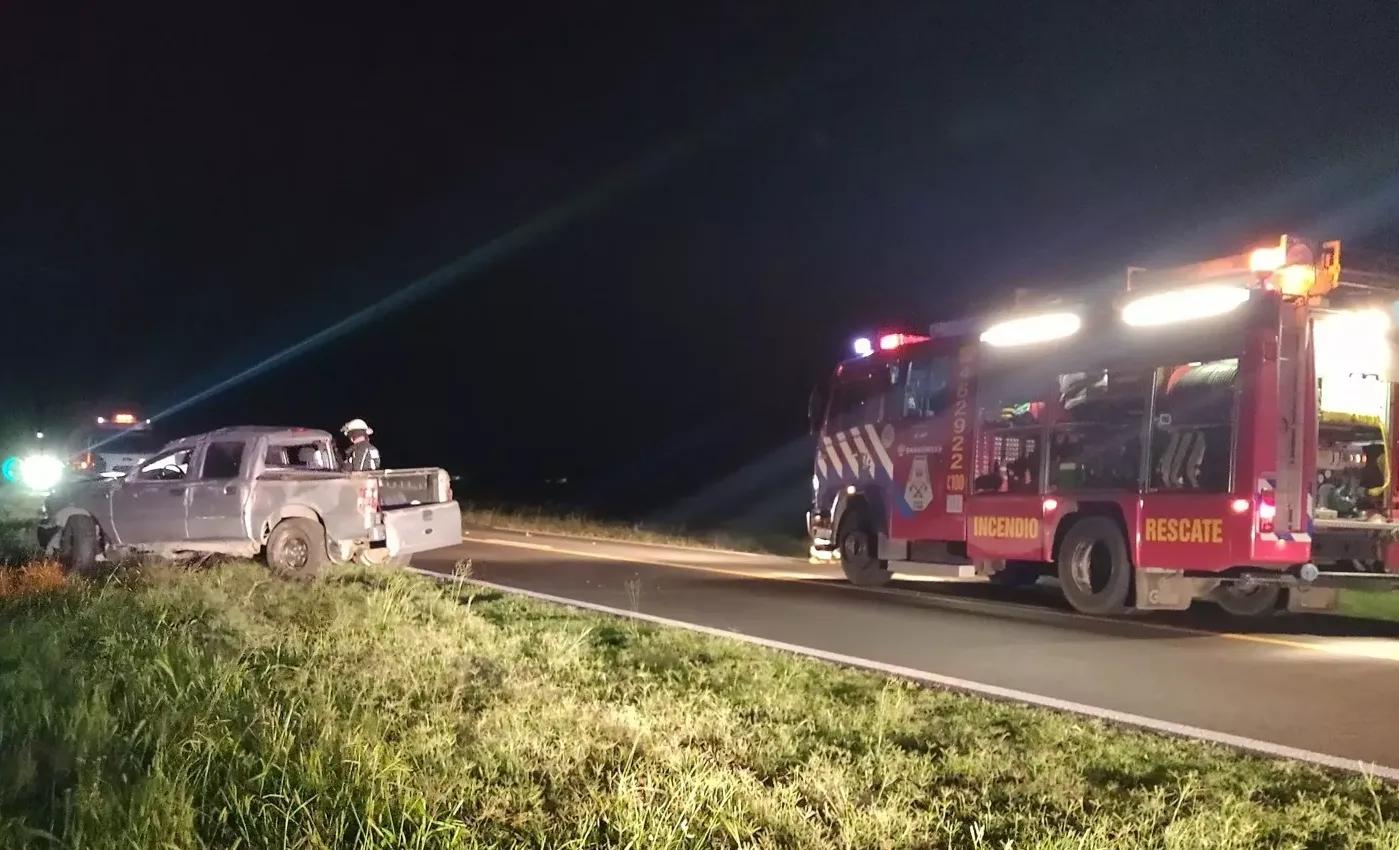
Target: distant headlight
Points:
(40, 472)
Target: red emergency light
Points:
(889, 342)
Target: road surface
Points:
(1324, 684)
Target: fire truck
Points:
(1220, 431)
(111, 444)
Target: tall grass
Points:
(230, 709)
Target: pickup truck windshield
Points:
(173, 465)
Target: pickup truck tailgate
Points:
(419, 528)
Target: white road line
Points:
(1166, 727)
(1372, 651)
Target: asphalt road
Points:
(1319, 683)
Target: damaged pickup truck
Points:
(248, 491)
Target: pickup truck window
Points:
(222, 461)
(171, 466)
(309, 455)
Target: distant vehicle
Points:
(1222, 431)
(253, 490)
(111, 444)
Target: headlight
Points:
(40, 472)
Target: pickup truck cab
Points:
(252, 490)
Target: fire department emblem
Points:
(886, 437)
(919, 490)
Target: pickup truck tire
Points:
(382, 558)
(1095, 567)
(78, 545)
(296, 547)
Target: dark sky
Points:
(189, 192)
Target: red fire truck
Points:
(1217, 431)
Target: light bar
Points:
(1031, 329)
(863, 347)
(889, 342)
(124, 419)
(1267, 259)
(1179, 305)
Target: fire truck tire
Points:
(1095, 567)
(859, 551)
(1017, 574)
(78, 546)
(1260, 600)
(297, 548)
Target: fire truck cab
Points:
(111, 445)
(1219, 431)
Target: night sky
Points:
(667, 220)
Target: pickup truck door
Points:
(148, 506)
(218, 496)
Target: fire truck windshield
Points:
(122, 442)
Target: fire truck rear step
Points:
(915, 568)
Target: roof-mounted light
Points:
(124, 419)
(1027, 330)
(1180, 305)
(863, 347)
(1268, 260)
(889, 342)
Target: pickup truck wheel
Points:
(297, 547)
(1095, 567)
(382, 558)
(78, 544)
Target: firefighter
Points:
(362, 455)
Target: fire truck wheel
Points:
(1017, 574)
(297, 547)
(859, 550)
(1258, 600)
(1095, 567)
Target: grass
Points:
(1370, 604)
(543, 521)
(230, 709)
(18, 544)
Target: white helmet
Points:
(356, 425)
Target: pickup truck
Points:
(248, 491)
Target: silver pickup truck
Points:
(253, 490)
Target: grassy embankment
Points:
(580, 525)
(227, 708)
(1368, 605)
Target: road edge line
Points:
(950, 683)
(957, 603)
(583, 538)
